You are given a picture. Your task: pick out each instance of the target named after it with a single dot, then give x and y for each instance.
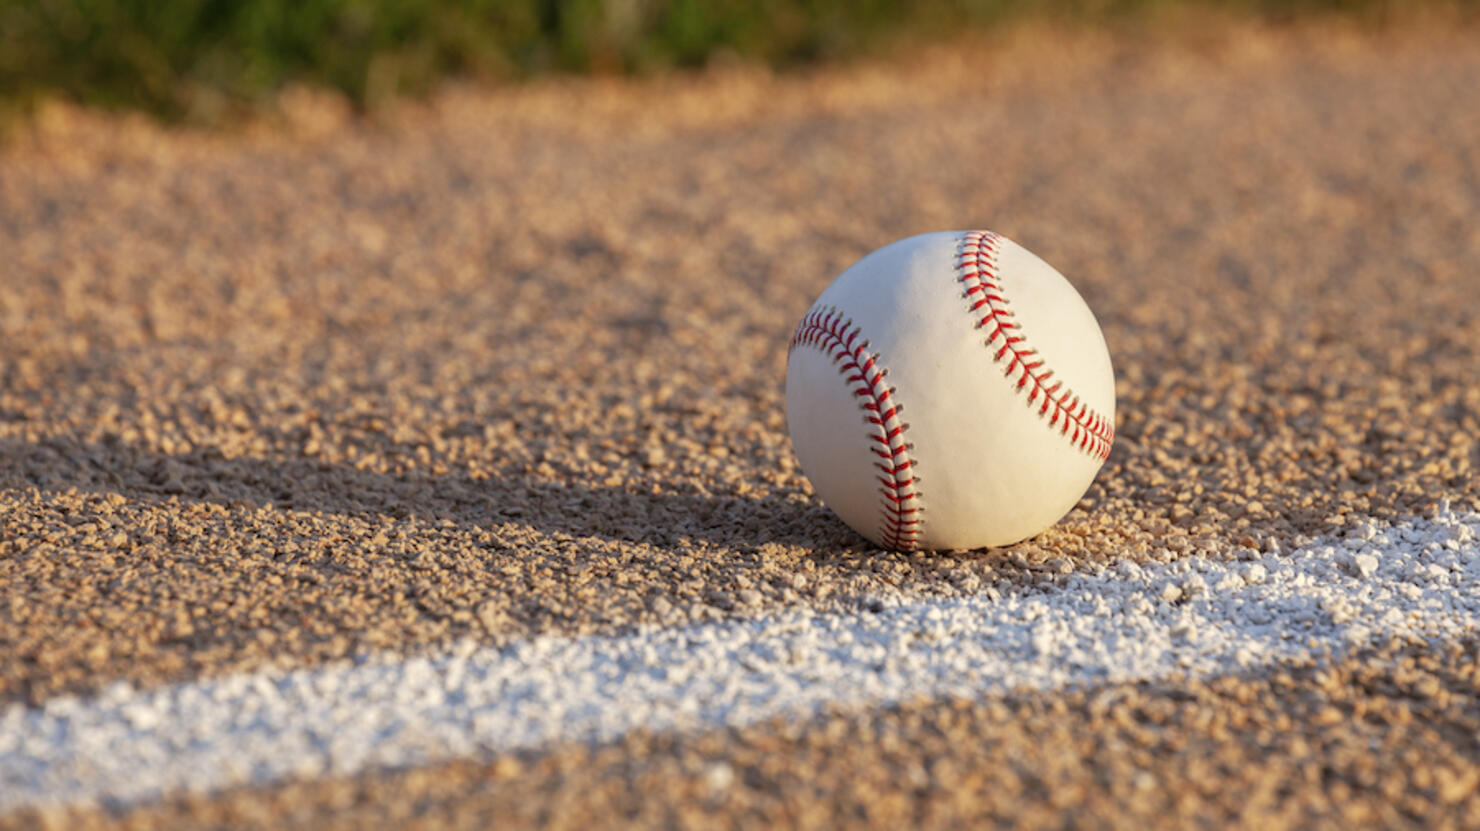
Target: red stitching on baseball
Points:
(1086, 429)
(829, 331)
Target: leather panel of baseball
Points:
(985, 467)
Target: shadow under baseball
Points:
(574, 508)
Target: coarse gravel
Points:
(509, 364)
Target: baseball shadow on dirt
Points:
(576, 509)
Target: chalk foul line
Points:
(1119, 623)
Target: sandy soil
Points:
(511, 363)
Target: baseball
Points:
(950, 391)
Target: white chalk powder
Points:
(1124, 622)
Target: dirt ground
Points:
(511, 362)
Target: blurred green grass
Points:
(203, 59)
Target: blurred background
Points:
(208, 60)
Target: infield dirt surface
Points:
(511, 363)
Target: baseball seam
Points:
(835, 335)
(1086, 429)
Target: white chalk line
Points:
(1119, 623)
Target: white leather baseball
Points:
(950, 391)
